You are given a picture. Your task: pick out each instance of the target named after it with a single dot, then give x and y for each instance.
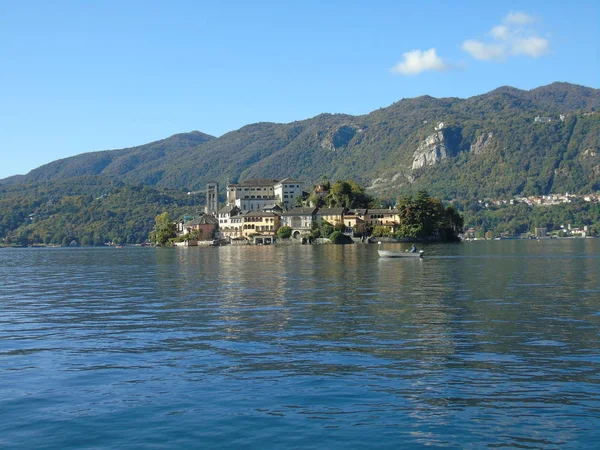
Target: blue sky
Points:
(81, 76)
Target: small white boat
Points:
(393, 254)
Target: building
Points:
(286, 191)
(273, 207)
(330, 215)
(212, 198)
(230, 222)
(354, 220)
(382, 217)
(254, 195)
(300, 220)
(257, 189)
(260, 223)
(206, 223)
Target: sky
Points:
(82, 76)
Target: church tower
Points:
(212, 198)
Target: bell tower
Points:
(212, 198)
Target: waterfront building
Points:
(230, 221)
(206, 223)
(330, 215)
(382, 217)
(261, 223)
(300, 220)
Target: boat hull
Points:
(392, 254)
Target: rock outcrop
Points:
(482, 143)
(430, 151)
(339, 137)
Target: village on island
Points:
(270, 211)
(257, 209)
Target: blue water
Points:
(478, 345)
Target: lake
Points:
(491, 344)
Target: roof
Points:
(288, 180)
(272, 206)
(300, 212)
(255, 182)
(330, 211)
(383, 211)
(259, 213)
(356, 212)
(206, 219)
(227, 209)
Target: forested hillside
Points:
(91, 210)
(490, 145)
(501, 144)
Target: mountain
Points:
(136, 165)
(490, 145)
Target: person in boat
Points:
(413, 249)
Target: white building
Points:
(253, 204)
(286, 191)
(230, 221)
(252, 195)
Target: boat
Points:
(393, 254)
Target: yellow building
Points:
(330, 215)
(383, 217)
(260, 222)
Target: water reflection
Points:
(479, 344)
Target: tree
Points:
(195, 235)
(164, 229)
(381, 231)
(326, 229)
(339, 238)
(284, 232)
(424, 217)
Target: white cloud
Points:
(483, 51)
(418, 61)
(500, 32)
(516, 36)
(532, 46)
(518, 18)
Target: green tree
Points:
(424, 217)
(164, 229)
(326, 229)
(284, 232)
(338, 237)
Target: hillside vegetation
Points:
(501, 144)
(491, 145)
